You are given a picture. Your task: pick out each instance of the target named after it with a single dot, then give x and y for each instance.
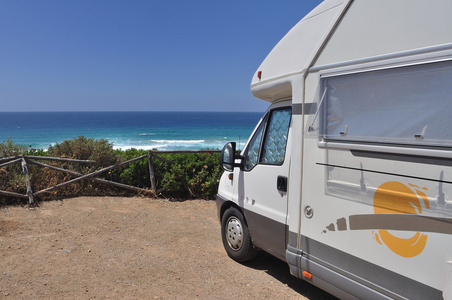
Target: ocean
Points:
(140, 130)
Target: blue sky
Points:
(166, 55)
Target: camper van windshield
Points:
(252, 152)
(405, 105)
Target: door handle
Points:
(281, 183)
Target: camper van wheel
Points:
(236, 237)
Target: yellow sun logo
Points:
(396, 198)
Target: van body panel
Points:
(368, 206)
(362, 178)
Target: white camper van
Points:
(348, 175)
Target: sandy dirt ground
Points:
(131, 248)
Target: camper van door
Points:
(262, 182)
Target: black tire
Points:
(236, 237)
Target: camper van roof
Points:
(293, 54)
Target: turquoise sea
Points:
(141, 130)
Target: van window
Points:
(253, 150)
(272, 149)
(405, 105)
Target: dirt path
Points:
(131, 248)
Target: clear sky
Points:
(138, 55)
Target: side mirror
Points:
(228, 157)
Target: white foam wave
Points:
(140, 147)
(171, 145)
(162, 144)
(178, 141)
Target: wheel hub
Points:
(234, 233)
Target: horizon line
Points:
(119, 111)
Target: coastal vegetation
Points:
(192, 175)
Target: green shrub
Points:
(136, 173)
(193, 175)
(8, 148)
(99, 151)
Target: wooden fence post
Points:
(31, 199)
(152, 172)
